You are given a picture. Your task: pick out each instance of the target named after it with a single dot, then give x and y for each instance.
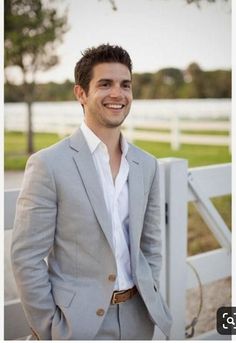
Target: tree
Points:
(195, 76)
(32, 33)
(196, 2)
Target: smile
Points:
(114, 106)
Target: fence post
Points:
(175, 132)
(130, 128)
(176, 242)
(230, 134)
(158, 334)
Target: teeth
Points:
(115, 106)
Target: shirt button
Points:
(100, 312)
(112, 277)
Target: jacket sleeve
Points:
(151, 234)
(33, 236)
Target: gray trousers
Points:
(127, 321)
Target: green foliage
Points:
(172, 83)
(169, 83)
(32, 32)
(198, 2)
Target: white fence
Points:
(176, 121)
(197, 185)
(179, 185)
(173, 130)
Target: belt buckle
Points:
(113, 299)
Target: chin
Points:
(113, 125)
(116, 123)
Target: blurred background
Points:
(181, 52)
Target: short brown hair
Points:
(102, 54)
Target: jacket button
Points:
(112, 277)
(100, 312)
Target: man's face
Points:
(109, 98)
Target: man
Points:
(90, 205)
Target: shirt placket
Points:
(122, 257)
(112, 202)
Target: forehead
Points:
(113, 71)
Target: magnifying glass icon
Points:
(230, 320)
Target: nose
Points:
(116, 91)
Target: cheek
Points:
(130, 99)
(129, 96)
(97, 98)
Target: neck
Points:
(109, 136)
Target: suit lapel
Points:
(136, 196)
(87, 170)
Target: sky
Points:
(156, 33)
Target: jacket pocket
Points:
(62, 297)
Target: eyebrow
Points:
(110, 80)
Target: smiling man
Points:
(90, 204)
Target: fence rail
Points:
(177, 189)
(211, 132)
(210, 117)
(171, 131)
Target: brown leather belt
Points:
(122, 296)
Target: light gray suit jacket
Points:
(61, 217)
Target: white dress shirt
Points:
(117, 201)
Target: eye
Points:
(127, 85)
(104, 84)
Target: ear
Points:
(80, 94)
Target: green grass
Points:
(205, 133)
(189, 132)
(15, 147)
(197, 155)
(200, 239)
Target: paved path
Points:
(13, 179)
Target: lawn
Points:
(15, 147)
(197, 155)
(200, 238)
